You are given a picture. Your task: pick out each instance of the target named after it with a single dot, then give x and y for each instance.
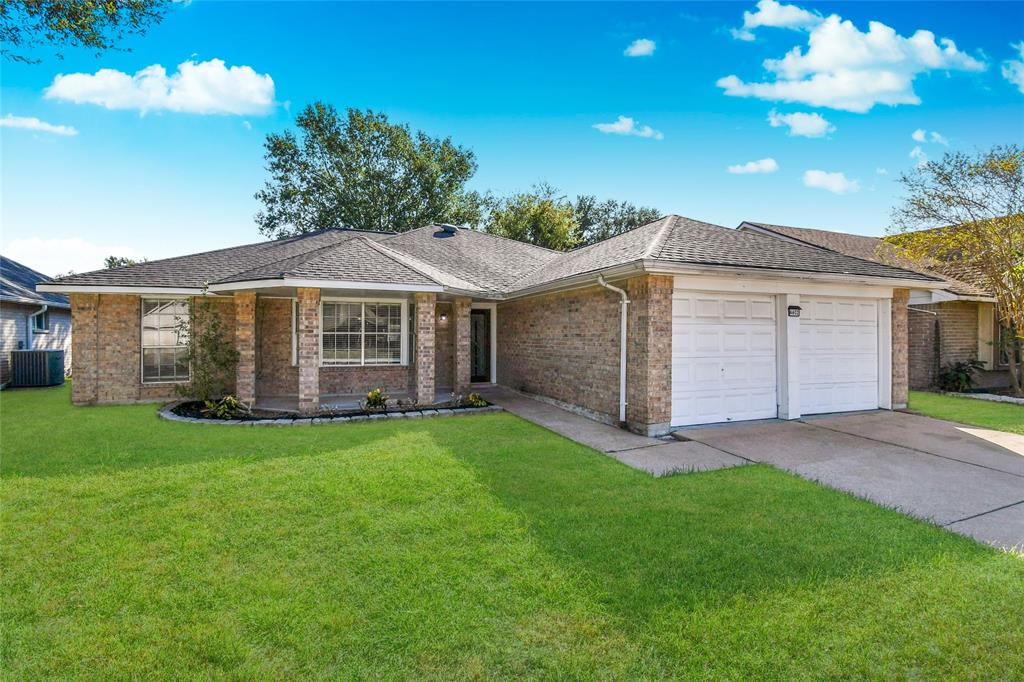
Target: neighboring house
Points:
(29, 319)
(953, 324)
(711, 332)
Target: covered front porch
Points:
(312, 349)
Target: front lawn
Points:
(987, 414)
(451, 548)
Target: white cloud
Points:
(775, 14)
(847, 69)
(248, 126)
(759, 166)
(919, 155)
(198, 88)
(1013, 69)
(801, 124)
(33, 123)
(625, 125)
(643, 47)
(60, 256)
(881, 171)
(938, 139)
(837, 183)
(918, 135)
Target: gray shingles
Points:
(960, 279)
(18, 285)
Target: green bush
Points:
(958, 377)
(376, 399)
(475, 400)
(228, 407)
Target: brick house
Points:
(30, 320)
(674, 323)
(955, 323)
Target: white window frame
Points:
(403, 333)
(143, 346)
(43, 315)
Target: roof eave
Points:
(671, 267)
(58, 288)
(33, 301)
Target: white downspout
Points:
(30, 332)
(622, 345)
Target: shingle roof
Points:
(490, 262)
(674, 239)
(961, 279)
(196, 270)
(479, 263)
(351, 260)
(18, 285)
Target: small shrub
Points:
(376, 399)
(475, 400)
(228, 407)
(958, 377)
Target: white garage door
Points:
(723, 357)
(838, 354)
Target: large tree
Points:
(599, 220)
(967, 212)
(362, 171)
(97, 25)
(541, 216)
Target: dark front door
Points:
(480, 345)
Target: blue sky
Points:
(163, 173)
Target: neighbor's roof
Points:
(474, 262)
(961, 279)
(18, 285)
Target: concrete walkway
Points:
(659, 457)
(968, 479)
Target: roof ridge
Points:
(659, 238)
(402, 258)
(303, 257)
(479, 232)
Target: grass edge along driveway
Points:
(459, 548)
(984, 413)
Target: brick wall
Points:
(957, 339)
(922, 350)
(425, 348)
(275, 373)
(245, 344)
(307, 326)
(463, 307)
(106, 349)
(900, 363)
(564, 346)
(649, 354)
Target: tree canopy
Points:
(541, 217)
(600, 220)
(92, 24)
(362, 171)
(967, 211)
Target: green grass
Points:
(990, 415)
(459, 548)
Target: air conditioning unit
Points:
(37, 367)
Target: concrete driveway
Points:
(968, 479)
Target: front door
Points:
(480, 345)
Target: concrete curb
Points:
(166, 413)
(991, 397)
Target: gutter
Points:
(624, 303)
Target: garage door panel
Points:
(723, 358)
(839, 355)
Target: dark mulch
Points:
(194, 409)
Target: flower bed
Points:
(192, 411)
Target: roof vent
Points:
(450, 229)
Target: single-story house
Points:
(955, 323)
(30, 320)
(674, 323)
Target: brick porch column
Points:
(245, 344)
(900, 351)
(648, 353)
(309, 349)
(462, 308)
(425, 303)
